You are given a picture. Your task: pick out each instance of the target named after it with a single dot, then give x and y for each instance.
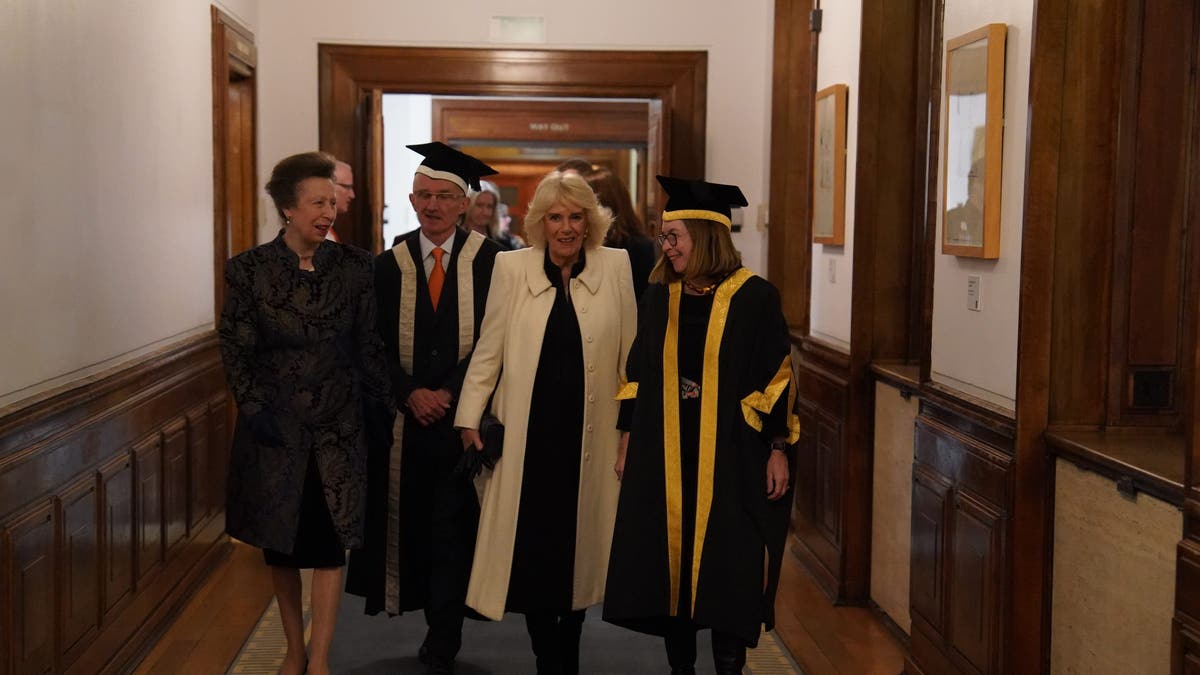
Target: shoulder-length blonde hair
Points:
(571, 188)
(713, 254)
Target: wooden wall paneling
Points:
(148, 505)
(789, 250)
(198, 451)
(962, 506)
(930, 508)
(221, 414)
(1086, 201)
(1185, 641)
(1150, 221)
(975, 580)
(678, 79)
(119, 540)
(819, 523)
(175, 484)
(79, 566)
(926, 189)
(29, 577)
(82, 525)
(561, 122)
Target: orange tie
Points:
(436, 277)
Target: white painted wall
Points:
(837, 63)
(737, 37)
(106, 181)
(407, 119)
(976, 352)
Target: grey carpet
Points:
(367, 645)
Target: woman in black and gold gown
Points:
(305, 365)
(701, 520)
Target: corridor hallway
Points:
(231, 625)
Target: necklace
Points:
(701, 290)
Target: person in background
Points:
(306, 368)
(627, 231)
(484, 217)
(707, 421)
(560, 320)
(343, 189)
(576, 165)
(421, 513)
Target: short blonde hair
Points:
(713, 254)
(569, 187)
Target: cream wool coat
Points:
(509, 346)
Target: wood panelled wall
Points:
(111, 509)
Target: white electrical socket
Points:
(974, 289)
(833, 270)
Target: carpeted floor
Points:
(366, 645)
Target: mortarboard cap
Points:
(443, 162)
(697, 199)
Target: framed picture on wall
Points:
(829, 166)
(974, 140)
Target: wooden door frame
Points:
(679, 79)
(232, 43)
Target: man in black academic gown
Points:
(422, 514)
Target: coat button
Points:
(589, 338)
(587, 456)
(583, 309)
(591, 367)
(589, 427)
(591, 398)
(433, 353)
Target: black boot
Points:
(729, 653)
(570, 628)
(681, 647)
(543, 636)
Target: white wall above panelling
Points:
(107, 182)
(976, 352)
(737, 37)
(837, 63)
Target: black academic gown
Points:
(418, 508)
(746, 394)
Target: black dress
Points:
(693, 326)
(543, 565)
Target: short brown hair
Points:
(291, 171)
(713, 254)
(567, 187)
(611, 192)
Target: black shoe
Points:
(423, 654)
(684, 670)
(440, 666)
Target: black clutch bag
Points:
(474, 461)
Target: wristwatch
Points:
(781, 446)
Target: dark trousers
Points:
(729, 651)
(555, 639)
(454, 520)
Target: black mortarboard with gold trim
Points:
(443, 162)
(697, 199)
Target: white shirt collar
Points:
(428, 246)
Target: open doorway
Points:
(523, 139)
(354, 78)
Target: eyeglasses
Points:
(441, 197)
(671, 238)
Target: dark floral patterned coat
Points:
(303, 346)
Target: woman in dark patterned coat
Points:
(306, 368)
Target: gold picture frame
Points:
(829, 166)
(973, 138)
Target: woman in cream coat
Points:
(560, 319)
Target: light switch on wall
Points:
(974, 288)
(833, 270)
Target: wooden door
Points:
(235, 222)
